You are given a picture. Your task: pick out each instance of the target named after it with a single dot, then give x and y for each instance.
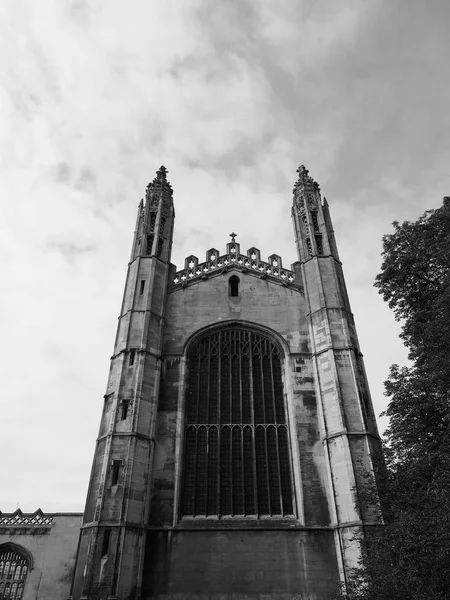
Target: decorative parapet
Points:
(20, 523)
(251, 262)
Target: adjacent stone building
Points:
(237, 433)
(37, 554)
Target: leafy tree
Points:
(415, 281)
(409, 557)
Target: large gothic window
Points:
(13, 573)
(236, 451)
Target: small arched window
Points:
(14, 567)
(233, 286)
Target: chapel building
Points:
(237, 437)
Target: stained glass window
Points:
(236, 452)
(13, 573)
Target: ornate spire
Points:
(159, 183)
(154, 224)
(312, 220)
(304, 181)
(161, 175)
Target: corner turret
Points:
(154, 226)
(348, 427)
(312, 219)
(117, 505)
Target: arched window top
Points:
(237, 459)
(15, 563)
(233, 286)
(245, 326)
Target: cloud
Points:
(231, 98)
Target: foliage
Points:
(415, 278)
(408, 558)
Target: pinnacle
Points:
(162, 172)
(160, 182)
(304, 178)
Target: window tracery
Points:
(13, 573)
(152, 221)
(319, 244)
(237, 456)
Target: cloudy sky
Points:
(231, 96)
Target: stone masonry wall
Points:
(53, 550)
(296, 559)
(241, 565)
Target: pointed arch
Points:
(15, 564)
(237, 457)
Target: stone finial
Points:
(305, 180)
(302, 172)
(159, 183)
(161, 175)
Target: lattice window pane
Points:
(285, 471)
(13, 572)
(246, 391)
(269, 409)
(225, 472)
(261, 471)
(225, 405)
(238, 472)
(258, 394)
(273, 468)
(319, 244)
(189, 473)
(213, 472)
(237, 458)
(201, 472)
(278, 392)
(236, 416)
(249, 472)
(213, 390)
(203, 391)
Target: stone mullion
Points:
(194, 470)
(241, 334)
(219, 421)
(241, 343)
(208, 387)
(253, 424)
(197, 390)
(261, 374)
(230, 395)
(208, 426)
(263, 394)
(272, 384)
(279, 468)
(267, 470)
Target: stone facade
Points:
(46, 545)
(159, 523)
(237, 435)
